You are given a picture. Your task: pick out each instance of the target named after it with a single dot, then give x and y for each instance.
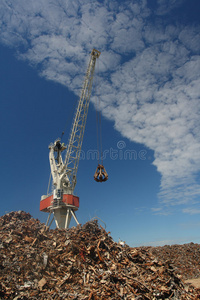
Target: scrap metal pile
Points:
(79, 263)
(185, 259)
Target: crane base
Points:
(47, 202)
(62, 217)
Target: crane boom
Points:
(78, 128)
(63, 203)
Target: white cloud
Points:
(149, 73)
(191, 211)
(165, 6)
(161, 211)
(190, 37)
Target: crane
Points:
(62, 203)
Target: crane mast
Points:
(62, 203)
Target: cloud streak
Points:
(149, 73)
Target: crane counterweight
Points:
(62, 203)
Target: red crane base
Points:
(71, 200)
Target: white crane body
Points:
(62, 203)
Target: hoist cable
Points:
(97, 116)
(97, 122)
(98, 119)
(100, 126)
(100, 129)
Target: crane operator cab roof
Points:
(58, 146)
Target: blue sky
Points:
(149, 90)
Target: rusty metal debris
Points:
(100, 175)
(185, 259)
(79, 263)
